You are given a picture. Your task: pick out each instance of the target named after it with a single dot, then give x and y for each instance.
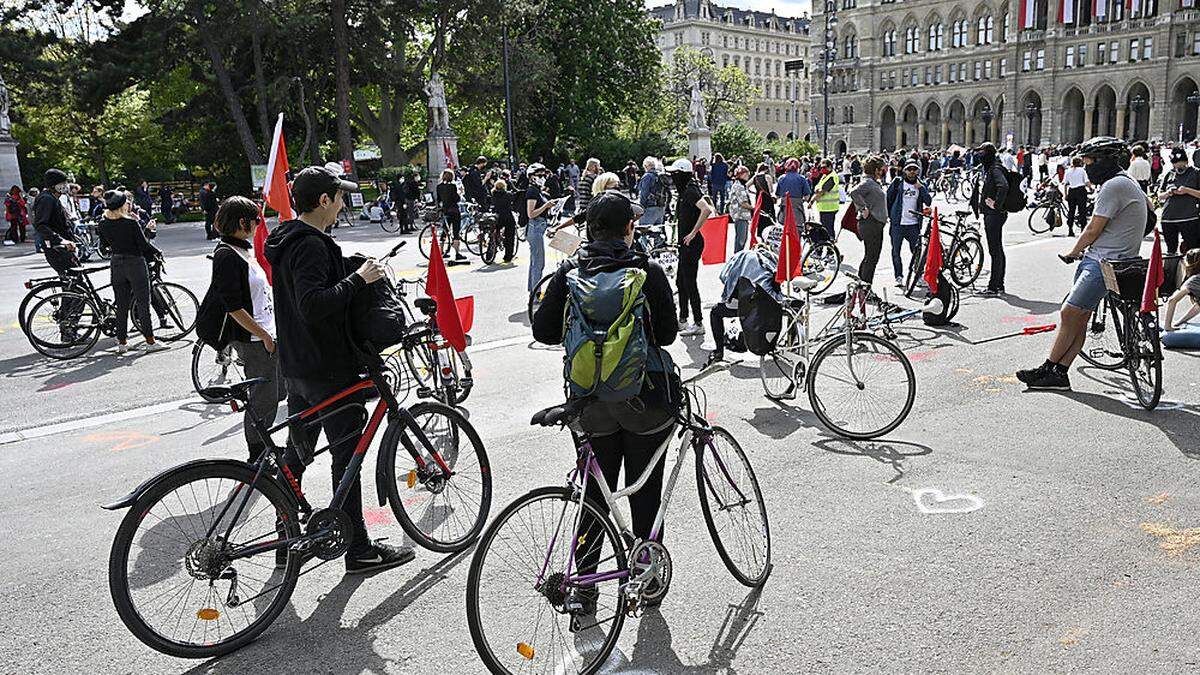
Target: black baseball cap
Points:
(1178, 155)
(314, 181)
(610, 211)
(54, 177)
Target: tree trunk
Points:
(384, 128)
(337, 16)
(230, 94)
(260, 85)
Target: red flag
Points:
(449, 155)
(1154, 277)
(275, 191)
(715, 232)
(437, 286)
(790, 248)
(850, 221)
(933, 263)
(758, 207)
(260, 241)
(466, 312)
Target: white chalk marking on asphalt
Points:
(88, 422)
(497, 344)
(931, 501)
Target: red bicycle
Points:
(209, 552)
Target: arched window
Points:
(936, 37)
(912, 40)
(1004, 33)
(958, 33)
(889, 42)
(984, 30)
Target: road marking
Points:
(88, 422)
(932, 501)
(498, 344)
(1158, 499)
(1174, 542)
(122, 440)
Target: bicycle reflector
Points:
(28, 284)
(525, 650)
(412, 478)
(207, 614)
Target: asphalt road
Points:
(995, 530)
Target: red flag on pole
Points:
(758, 207)
(715, 232)
(790, 248)
(437, 286)
(933, 263)
(449, 155)
(1154, 277)
(275, 191)
(260, 241)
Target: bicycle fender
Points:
(385, 458)
(129, 499)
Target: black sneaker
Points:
(1032, 374)
(379, 557)
(1051, 379)
(714, 357)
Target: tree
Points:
(738, 140)
(726, 92)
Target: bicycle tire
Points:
(488, 246)
(1144, 352)
(777, 372)
(707, 480)
(825, 260)
(36, 292)
(538, 294)
(966, 260)
(1102, 341)
(459, 428)
(1037, 219)
(475, 577)
(390, 223)
(65, 348)
(118, 567)
(229, 368)
(182, 308)
(916, 267)
(890, 352)
(425, 239)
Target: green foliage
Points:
(738, 140)
(797, 148)
(726, 92)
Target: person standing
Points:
(536, 208)
(718, 178)
(448, 200)
(764, 187)
(504, 203)
(208, 204)
(16, 214)
(827, 197)
(472, 182)
(1139, 168)
(240, 287)
(130, 274)
(871, 203)
(991, 198)
(649, 193)
(166, 200)
(312, 293)
(573, 174)
(693, 208)
(794, 184)
(1181, 209)
(1076, 183)
(740, 207)
(412, 195)
(50, 222)
(907, 197)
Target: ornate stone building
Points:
(931, 73)
(760, 43)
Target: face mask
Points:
(910, 178)
(1098, 172)
(539, 181)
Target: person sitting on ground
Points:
(313, 289)
(1181, 334)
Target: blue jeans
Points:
(1186, 336)
(652, 216)
(720, 194)
(536, 236)
(900, 234)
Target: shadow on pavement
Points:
(780, 421)
(890, 453)
(1033, 306)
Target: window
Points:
(983, 30)
(937, 74)
(904, 78)
(1041, 59)
(914, 77)
(1114, 50)
(889, 42)
(987, 69)
(1004, 32)
(1070, 62)
(953, 72)
(1101, 52)
(958, 34)
(725, 41)
(757, 67)
(1082, 55)
(724, 60)
(1196, 43)
(778, 89)
(756, 112)
(1133, 50)
(704, 38)
(777, 114)
(1180, 44)
(1003, 67)
(1026, 61)
(978, 70)
(1147, 49)
(935, 43)
(912, 40)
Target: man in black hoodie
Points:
(993, 191)
(313, 288)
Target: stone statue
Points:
(439, 113)
(697, 119)
(5, 124)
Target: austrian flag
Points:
(1026, 18)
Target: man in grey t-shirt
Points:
(1116, 230)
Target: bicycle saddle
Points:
(224, 393)
(564, 413)
(427, 306)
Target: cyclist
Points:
(130, 274)
(629, 431)
(906, 198)
(50, 221)
(312, 294)
(1115, 231)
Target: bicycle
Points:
(850, 373)
(67, 323)
(964, 259)
(88, 243)
(556, 574)
(481, 232)
(440, 371)
(242, 532)
(434, 222)
(212, 367)
(1049, 209)
(652, 240)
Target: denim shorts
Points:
(1089, 286)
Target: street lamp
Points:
(827, 56)
(1137, 104)
(1031, 111)
(987, 116)
(792, 67)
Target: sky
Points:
(781, 7)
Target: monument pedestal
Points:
(10, 171)
(437, 147)
(700, 144)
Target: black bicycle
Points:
(963, 246)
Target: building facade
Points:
(932, 73)
(760, 44)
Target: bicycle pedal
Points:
(424, 392)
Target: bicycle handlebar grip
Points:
(1068, 259)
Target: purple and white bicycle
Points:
(556, 574)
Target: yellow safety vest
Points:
(831, 200)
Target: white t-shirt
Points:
(1139, 169)
(1075, 177)
(260, 294)
(909, 194)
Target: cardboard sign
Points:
(566, 242)
(356, 200)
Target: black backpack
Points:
(377, 318)
(662, 190)
(760, 315)
(1014, 200)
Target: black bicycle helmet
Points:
(1105, 147)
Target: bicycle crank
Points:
(329, 531)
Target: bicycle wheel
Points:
(390, 223)
(726, 480)
(539, 292)
(36, 293)
(488, 245)
(176, 308)
(472, 236)
(441, 514)
(916, 267)
(212, 367)
(966, 261)
(517, 590)
(780, 370)
(425, 240)
(64, 325)
(1102, 343)
(861, 387)
(1144, 352)
(179, 591)
(1040, 219)
(821, 263)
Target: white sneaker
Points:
(899, 282)
(151, 348)
(121, 349)
(693, 329)
(708, 345)
(8, 242)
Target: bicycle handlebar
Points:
(1069, 259)
(395, 250)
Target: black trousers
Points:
(716, 323)
(454, 221)
(634, 452)
(1188, 231)
(872, 235)
(131, 286)
(209, 216)
(829, 221)
(509, 228)
(993, 228)
(685, 282)
(1077, 209)
(304, 393)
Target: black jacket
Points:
(50, 220)
(995, 186)
(473, 187)
(313, 288)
